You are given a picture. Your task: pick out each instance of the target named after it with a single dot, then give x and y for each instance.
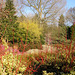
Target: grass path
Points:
(45, 49)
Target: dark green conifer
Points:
(9, 20)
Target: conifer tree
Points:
(9, 20)
(73, 31)
(61, 29)
(61, 21)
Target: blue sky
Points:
(70, 3)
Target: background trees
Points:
(46, 9)
(58, 33)
(14, 31)
(73, 32)
(70, 17)
(46, 14)
(61, 20)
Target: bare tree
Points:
(46, 9)
(70, 15)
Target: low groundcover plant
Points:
(9, 62)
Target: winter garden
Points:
(39, 42)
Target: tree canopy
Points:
(70, 15)
(46, 9)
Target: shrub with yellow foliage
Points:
(32, 30)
